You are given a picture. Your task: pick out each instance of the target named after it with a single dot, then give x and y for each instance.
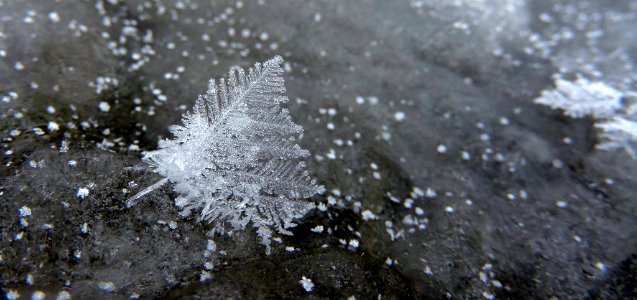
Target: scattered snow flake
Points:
(63, 295)
(54, 17)
(353, 244)
(52, 126)
(601, 266)
(50, 109)
(419, 211)
(399, 116)
(38, 131)
(496, 283)
(376, 175)
(211, 246)
(389, 262)
(561, 204)
(172, 225)
(428, 271)
(12, 295)
(483, 277)
(441, 149)
(38, 295)
(307, 284)
(488, 295)
(106, 286)
(84, 228)
(104, 106)
(449, 209)
(208, 266)
(18, 66)
(82, 192)
(466, 155)
(24, 211)
(205, 276)
(290, 249)
(368, 215)
(360, 100)
(431, 193)
(72, 163)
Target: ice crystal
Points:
(608, 106)
(618, 133)
(235, 157)
(581, 97)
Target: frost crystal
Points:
(618, 133)
(610, 108)
(235, 156)
(581, 98)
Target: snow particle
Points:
(104, 106)
(106, 286)
(24, 211)
(441, 149)
(307, 284)
(82, 192)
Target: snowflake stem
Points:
(133, 200)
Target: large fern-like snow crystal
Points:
(235, 157)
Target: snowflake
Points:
(235, 157)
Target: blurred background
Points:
(445, 177)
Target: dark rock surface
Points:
(429, 126)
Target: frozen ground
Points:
(444, 179)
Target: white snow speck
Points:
(601, 266)
(82, 192)
(106, 286)
(24, 211)
(52, 126)
(104, 106)
(38, 295)
(353, 244)
(172, 225)
(63, 295)
(561, 204)
(317, 229)
(368, 215)
(441, 149)
(54, 17)
(399, 116)
(12, 295)
(307, 284)
(428, 271)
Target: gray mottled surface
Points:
(526, 216)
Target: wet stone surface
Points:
(443, 178)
